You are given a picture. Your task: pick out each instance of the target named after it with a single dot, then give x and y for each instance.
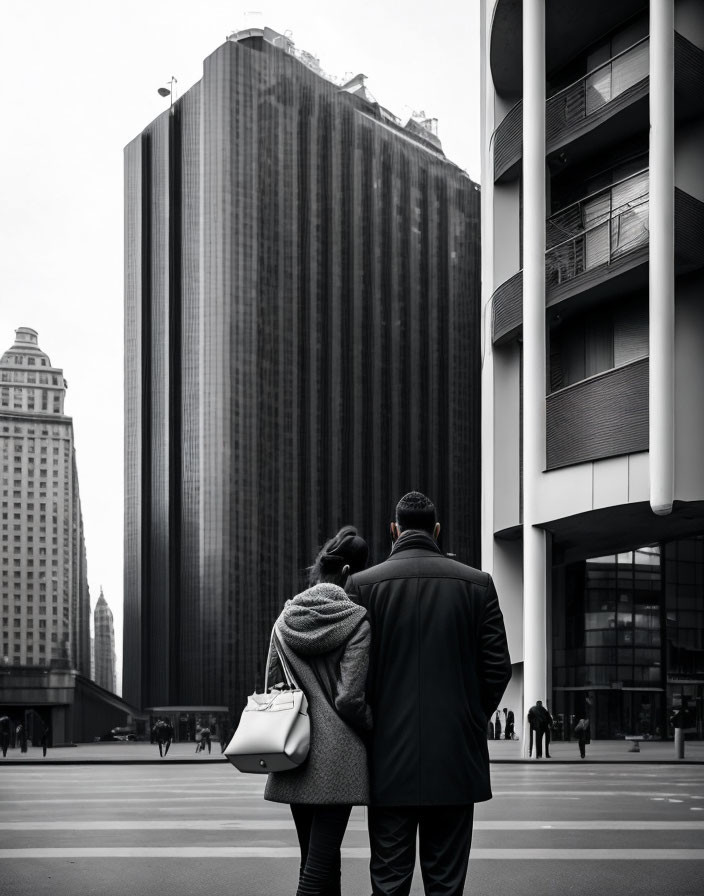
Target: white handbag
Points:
(274, 730)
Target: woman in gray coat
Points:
(326, 637)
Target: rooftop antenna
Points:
(169, 91)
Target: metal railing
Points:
(600, 86)
(597, 229)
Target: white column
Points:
(662, 243)
(534, 560)
(487, 274)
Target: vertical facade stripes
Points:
(187, 582)
(324, 344)
(136, 423)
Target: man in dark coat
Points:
(547, 727)
(439, 665)
(540, 721)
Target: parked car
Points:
(123, 734)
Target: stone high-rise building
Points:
(302, 347)
(104, 645)
(43, 581)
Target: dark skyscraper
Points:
(302, 347)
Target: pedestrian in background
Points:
(537, 724)
(497, 726)
(44, 741)
(547, 727)
(439, 665)
(510, 723)
(21, 738)
(163, 733)
(581, 729)
(4, 735)
(325, 638)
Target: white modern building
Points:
(593, 326)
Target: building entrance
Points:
(622, 713)
(628, 639)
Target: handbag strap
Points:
(285, 667)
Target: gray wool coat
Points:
(326, 640)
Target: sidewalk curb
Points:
(541, 764)
(164, 761)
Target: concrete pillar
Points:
(662, 241)
(487, 274)
(679, 743)
(534, 556)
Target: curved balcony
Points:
(603, 416)
(507, 310)
(615, 92)
(598, 248)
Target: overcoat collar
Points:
(415, 539)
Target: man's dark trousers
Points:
(444, 836)
(536, 736)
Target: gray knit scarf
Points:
(319, 619)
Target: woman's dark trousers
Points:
(444, 839)
(320, 831)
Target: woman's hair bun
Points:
(346, 548)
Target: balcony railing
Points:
(597, 230)
(599, 246)
(600, 86)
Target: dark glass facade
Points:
(302, 347)
(628, 638)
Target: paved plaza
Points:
(627, 828)
(500, 751)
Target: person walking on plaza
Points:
(547, 727)
(325, 637)
(510, 722)
(44, 741)
(537, 722)
(581, 729)
(438, 668)
(4, 735)
(205, 740)
(163, 733)
(21, 738)
(497, 726)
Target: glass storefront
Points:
(188, 721)
(628, 639)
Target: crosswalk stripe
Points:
(251, 797)
(131, 799)
(257, 824)
(243, 852)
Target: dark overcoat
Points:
(439, 665)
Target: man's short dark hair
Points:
(416, 511)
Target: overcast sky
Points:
(79, 81)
